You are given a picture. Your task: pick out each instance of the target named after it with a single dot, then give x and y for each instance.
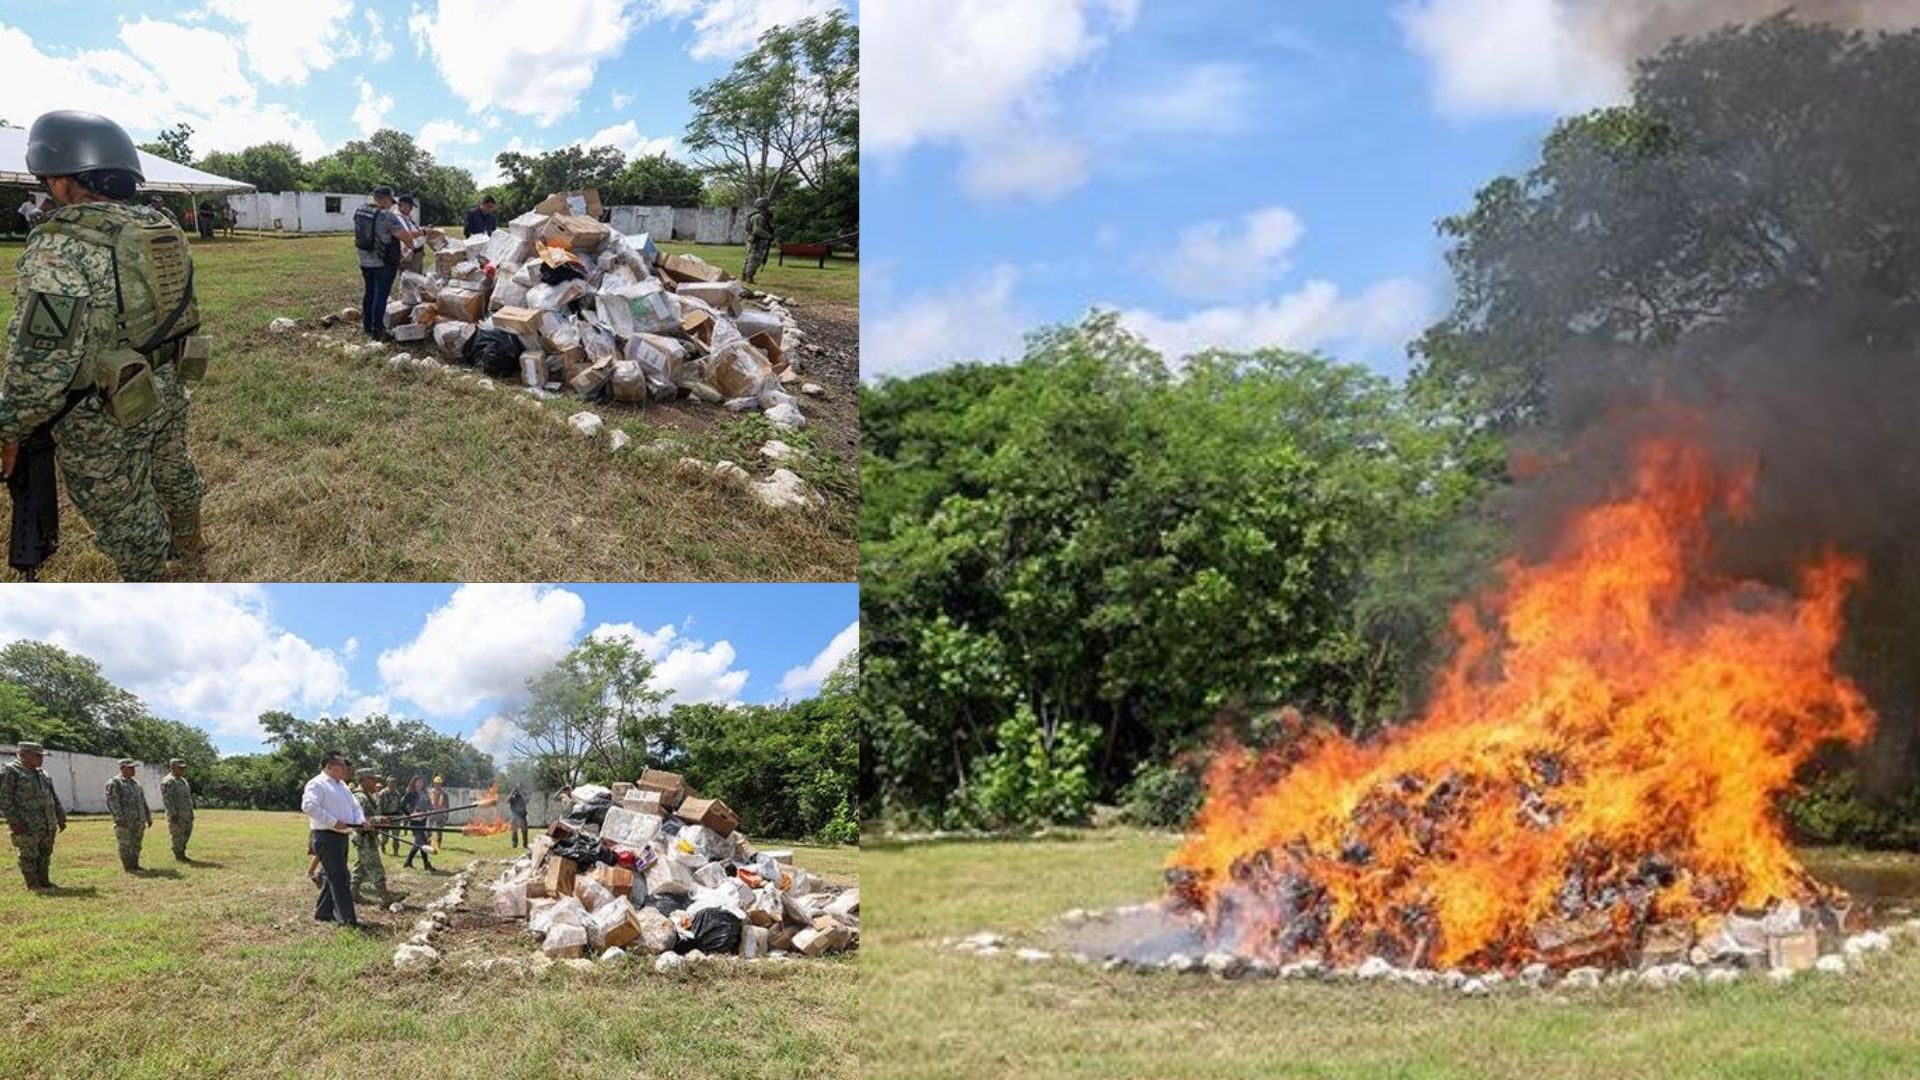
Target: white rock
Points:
(586, 423)
(415, 958)
(282, 325)
(579, 963)
(813, 389)
(1374, 967)
(1475, 988)
(1180, 962)
(786, 418)
(1033, 956)
(1780, 975)
(784, 490)
(1832, 964)
(1722, 976)
(619, 441)
(668, 962)
(1453, 978)
(504, 965)
(1582, 978)
(1114, 964)
(1224, 964)
(1534, 974)
(775, 450)
(1302, 969)
(614, 955)
(1870, 941)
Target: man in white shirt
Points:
(332, 816)
(30, 213)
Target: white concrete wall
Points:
(81, 779)
(656, 221)
(687, 224)
(294, 211)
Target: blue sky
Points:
(218, 655)
(469, 78)
(1234, 173)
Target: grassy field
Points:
(929, 1012)
(320, 468)
(216, 968)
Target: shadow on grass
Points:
(66, 892)
(155, 872)
(203, 864)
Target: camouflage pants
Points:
(181, 830)
(130, 837)
(368, 869)
(176, 480)
(109, 478)
(756, 258)
(36, 856)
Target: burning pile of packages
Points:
(558, 300)
(651, 869)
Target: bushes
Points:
(1835, 809)
(1162, 796)
(1034, 776)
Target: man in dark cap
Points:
(376, 242)
(102, 340)
(480, 219)
(33, 813)
(176, 796)
(127, 803)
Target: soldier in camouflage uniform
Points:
(759, 238)
(368, 869)
(176, 795)
(132, 817)
(33, 813)
(92, 355)
(388, 803)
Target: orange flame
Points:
(1611, 752)
(491, 824)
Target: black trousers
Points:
(373, 304)
(336, 881)
(421, 842)
(518, 838)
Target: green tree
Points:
(392, 158)
(788, 108)
(594, 715)
(654, 181)
(532, 177)
(72, 692)
(22, 718)
(172, 144)
(269, 166)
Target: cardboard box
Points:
(739, 370)
(397, 313)
(643, 802)
(410, 332)
(686, 268)
(718, 295)
(519, 320)
(466, 305)
(769, 346)
(574, 232)
(618, 880)
(671, 787)
(584, 201)
(697, 325)
(615, 926)
(525, 226)
(565, 941)
(446, 259)
(669, 877)
(1796, 951)
(709, 814)
(560, 876)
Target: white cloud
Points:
(379, 49)
(365, 705)
(1490, 56)
(482, 645)
(1317, 315)
(620, 100)
(531, 57)
(803, 680)
(1205, 99)
(725, 29)
(351, 649)
(494, 737)
(371, 114)
(976, 320)
(283, 42)
(978, 73)
(627, 137)
(693, 670)
(435, 134)
(235, 664)
(1216, 255)
(163, 73)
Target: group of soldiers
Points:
(35, 816)
(385, 806)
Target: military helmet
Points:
(364, 774)
(30, 748)
(128, 763)
(182, 762)
(762, 202)
(68, 141)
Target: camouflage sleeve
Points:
(46, 337)
(9, 795)
(59, 811)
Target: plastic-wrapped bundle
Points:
(598, 343)
(641, 308)
(556, 296)
(450, 337)
(660, 368)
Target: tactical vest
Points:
(154, 312)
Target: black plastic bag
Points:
(495, 352)
(666, 903)
(715, 932)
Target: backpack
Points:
(154, 307)
(366, 236)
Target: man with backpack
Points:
(375, 240)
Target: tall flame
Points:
(491, 824)
(1612, 751)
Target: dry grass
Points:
(217, 969)
(929, 1012)
(324, 469)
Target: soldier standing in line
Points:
(127, 802)
(33, 813)
(102, 339)
(176, 796)
(759, 238)
(388, 803)
(368, 869)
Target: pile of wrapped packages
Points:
(561, 302)
(649, 868)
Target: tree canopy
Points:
(788, 108)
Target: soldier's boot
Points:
(186, 540)
(46, 870)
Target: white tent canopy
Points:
(162, 175)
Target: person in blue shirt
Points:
(480, 219)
